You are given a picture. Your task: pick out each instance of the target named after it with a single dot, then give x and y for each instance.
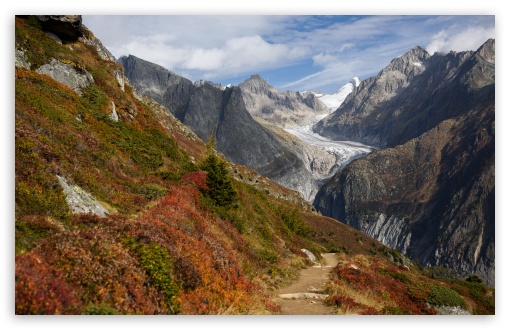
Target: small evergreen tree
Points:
(219, 184)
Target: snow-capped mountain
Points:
(333, 101)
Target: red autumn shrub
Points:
(196, 179)
(103, 271)
(40, 289)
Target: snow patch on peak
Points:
(333, 101)
(355, 81)
(417, 63)
(316, 94)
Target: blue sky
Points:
(295, 52)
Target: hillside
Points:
(121, 209)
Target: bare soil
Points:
(305, 297)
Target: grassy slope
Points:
(165, 247)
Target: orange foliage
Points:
(40, 289)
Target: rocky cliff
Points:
(284, 109)
(432, 197)
(222, 114)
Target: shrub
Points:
(474, 279)
(42, 290)
(100, 309)
(152, 191)
(398, 276)
(293, 221)
(443, 296)
(169, 175)
(392, 310)
(482, 295)
(156, 261)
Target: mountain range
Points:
(431, 192)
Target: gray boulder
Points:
(67, 75)
(21, 60)
(80, 201)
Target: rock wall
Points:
(432, 198)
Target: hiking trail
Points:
(306, 297)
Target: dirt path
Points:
(305, 296)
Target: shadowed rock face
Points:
(67, 27)
(210, 111)
(432, 197)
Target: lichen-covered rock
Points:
(67, 75)
(80, 201)
(113, 115)
(451, 310)
(119, 76)
(21, 60)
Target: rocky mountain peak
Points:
(152, 79)
(488, 51)
(256, 84)
(411, 61)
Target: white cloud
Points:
(469, 39)
(323, 59)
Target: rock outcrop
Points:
(21, 60)
(68, 28)
(284, 109)
(80, 201)
(432, 197)
(67, 74)
(88, 38)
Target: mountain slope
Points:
(433, 196)
(222, 114)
